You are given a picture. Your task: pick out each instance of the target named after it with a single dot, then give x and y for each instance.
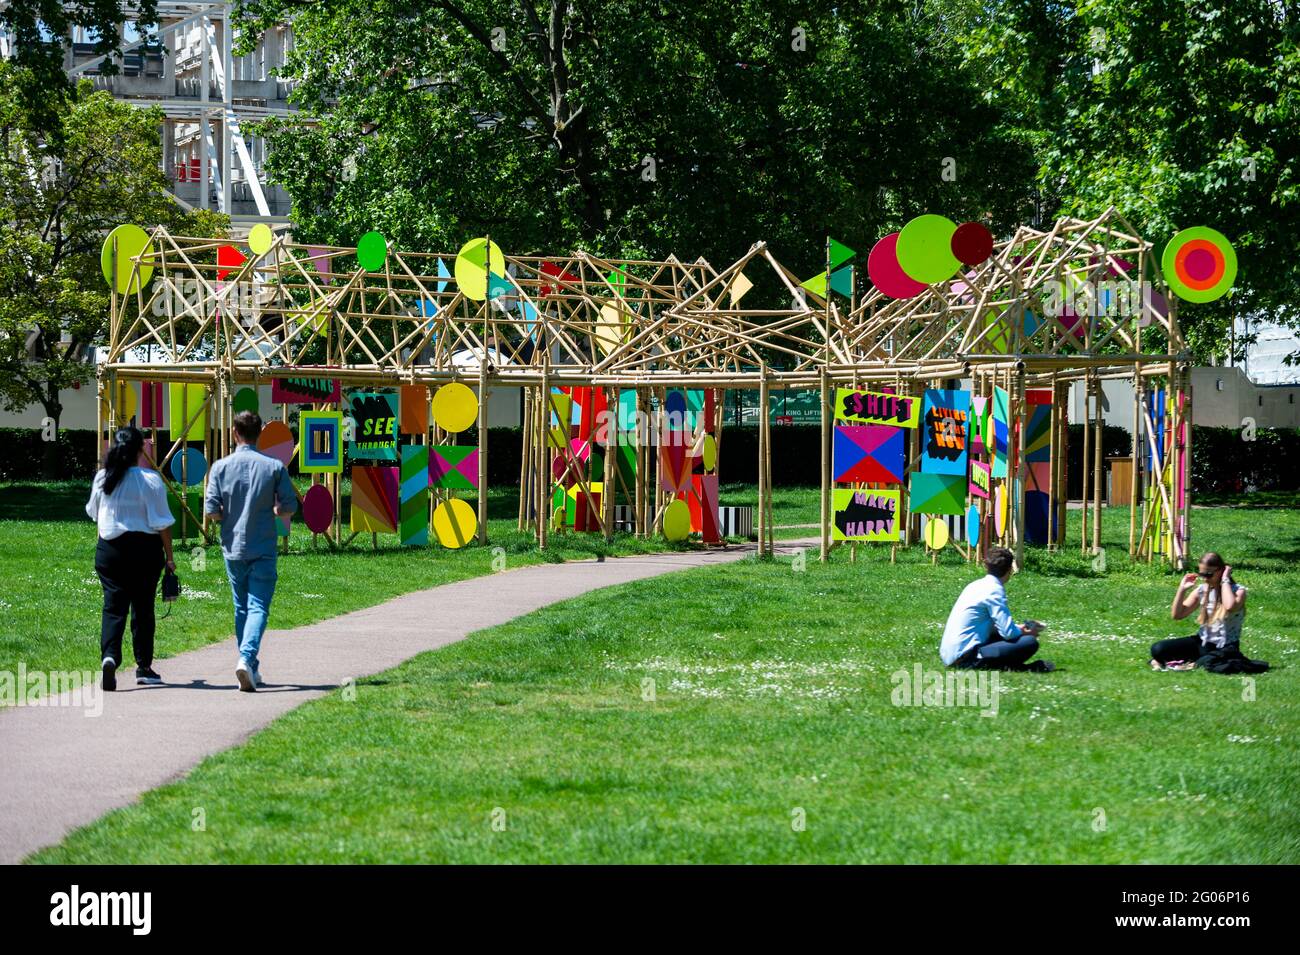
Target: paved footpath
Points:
(63, 769)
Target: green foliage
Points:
(1177, 112)
(754, 129)
(39, 29)
(61, 191)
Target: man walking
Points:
(247, 491)
(981, 634)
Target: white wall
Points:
(79, 409)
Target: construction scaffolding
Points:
(647, 327)
(208, 95)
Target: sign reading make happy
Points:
(870, 407)
(375, 436)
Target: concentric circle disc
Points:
(1199, 264)
(925, 249)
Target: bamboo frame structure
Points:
(582, 320)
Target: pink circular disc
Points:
(972, 243)
(318, 508)
(885, 272)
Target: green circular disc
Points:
(925, 249)
(245, 400)
(128, 241)
(372, 251)
(1168, 264)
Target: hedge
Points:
(1222, 461)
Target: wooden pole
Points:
(1084, 464)
(1098, 473)
(525, 454)
(762, 460)
(1135, 447)
(543, 459)
(1022, 466)
(825, 532)
(483, 392)
(641, 435)
(607, 490)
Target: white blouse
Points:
(138, 503)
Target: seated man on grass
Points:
(981, 634)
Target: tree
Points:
(59, 195)
(41, 29)
(687, 127)
(1177, 112)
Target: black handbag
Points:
(171, 586)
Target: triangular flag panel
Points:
(842, 281)
(839, 253)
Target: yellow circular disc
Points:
(124, 402)
(472, 263)
(709, 453)
(454, 407)
(1000, 510)
(126, 241)
(454, 523)
(677, 521)
(936, 533)
(260, 238)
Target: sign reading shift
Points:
(870, 407)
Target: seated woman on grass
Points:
(1221, 602)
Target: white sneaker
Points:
(246, 677)
(257, 678)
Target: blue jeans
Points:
(252, 582)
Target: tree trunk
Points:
(50, 457)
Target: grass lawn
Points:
(772, 702)
(50, 600)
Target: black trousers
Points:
(1187, 649)
(129, 567)
(999, 653)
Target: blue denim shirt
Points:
(243, 488)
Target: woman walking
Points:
(129, 503)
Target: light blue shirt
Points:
(979, 613)
(243, 488)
